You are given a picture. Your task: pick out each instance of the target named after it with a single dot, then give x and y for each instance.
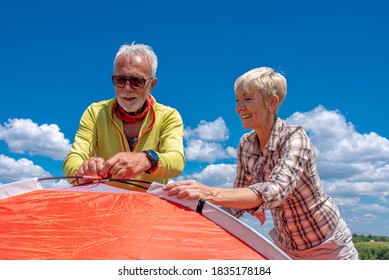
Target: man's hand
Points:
(91, 167)
(126, 165)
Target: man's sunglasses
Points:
(135, 82)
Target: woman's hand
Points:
(243, 198)
(190, 189)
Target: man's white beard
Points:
(133, 107)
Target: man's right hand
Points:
(91, 167)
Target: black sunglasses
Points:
(135, 82)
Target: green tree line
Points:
(372, 247)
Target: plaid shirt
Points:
(286, 177)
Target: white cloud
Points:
(232, 152)
(215, 131)
(217, 175)
(203, 142)
(336, 140)
(12, 170)
(349, 162)
(351, 187)
(203, 151)
(357, 205)
(25, 136)
(54, 184)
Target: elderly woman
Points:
(276, 170)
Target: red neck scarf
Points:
(134, 117)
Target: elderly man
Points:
(129, 136)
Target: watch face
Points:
(153, 154)
(153, 158)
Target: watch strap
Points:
(153, 159)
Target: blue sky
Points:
(57, 57)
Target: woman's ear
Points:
(273, 103)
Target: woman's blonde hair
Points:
(263, 80)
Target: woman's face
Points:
(252, 109)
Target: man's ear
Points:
(153, 82)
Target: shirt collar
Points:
(276, 132)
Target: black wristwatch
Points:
(154, 160)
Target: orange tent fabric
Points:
(48, 224)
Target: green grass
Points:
(372, 247)
(373, 251)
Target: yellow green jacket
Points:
(100, 133)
